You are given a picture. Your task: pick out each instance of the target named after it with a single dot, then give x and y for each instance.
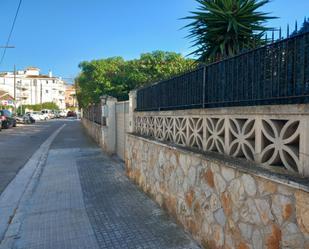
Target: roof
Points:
(32, 68)
(70, 88)
(40, 77)
(5, 95)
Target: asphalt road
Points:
(18, 144)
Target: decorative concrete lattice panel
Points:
(270, 140)
(280, 143)
(215, 134)
(242, 138)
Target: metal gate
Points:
(122, 127)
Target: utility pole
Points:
(5, 47)
(15, 100)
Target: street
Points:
(72, 195)
(17, 146)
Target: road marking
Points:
(15, 191)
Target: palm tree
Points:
(222, 28)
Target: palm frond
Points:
(222, 28)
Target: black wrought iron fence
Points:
(94, 114)
(274, 74)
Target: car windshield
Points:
(5, 113)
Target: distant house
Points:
(6, 99)
(33, 88)
(70, 96)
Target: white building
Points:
(33, 88)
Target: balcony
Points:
(22, 85)
(24, 95)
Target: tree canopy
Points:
(221, 28)
(116, 76)
(38, 107)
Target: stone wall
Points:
(223, 202)
(95, 131)
(104, 135)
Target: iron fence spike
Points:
(296, 26)
(266, 38)
(273, 36)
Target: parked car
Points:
(25, 119)
(7, 119)
(19, 119)
(36, 115)
(63, 114)
(56, 113)
(28, 119)
(71, 114)
(47, 114)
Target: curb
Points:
(19, 190)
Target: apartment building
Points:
(31, 87)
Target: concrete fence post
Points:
(258, 139)
(102, 118)
(132, 107)
(304, 147)
(110, 129)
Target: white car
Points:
(46, 114)
(37, 116)
(63, 114)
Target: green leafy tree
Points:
(98, 77)
(221, 28)
(116, 77)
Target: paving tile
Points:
(83, 200)
(55, 216)
(121, 215)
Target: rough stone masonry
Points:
(220, 205)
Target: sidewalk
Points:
(81, 198)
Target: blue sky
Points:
(59, 34)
